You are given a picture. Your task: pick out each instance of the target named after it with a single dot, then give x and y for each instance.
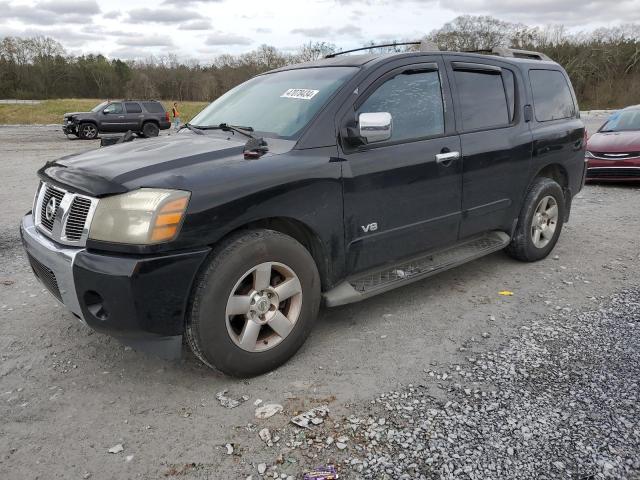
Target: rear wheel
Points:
(254, 304)
(150, 129)
(87, 131)
(539, 223)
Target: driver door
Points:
(402, 195)
(113, 118)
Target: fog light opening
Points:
(95, 305)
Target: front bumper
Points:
(613, 170)
(127, 296)
(69, 128)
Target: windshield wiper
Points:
(255, 146)
(197, 130)
(225, 127)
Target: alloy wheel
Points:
(544, 222)
(263, 307)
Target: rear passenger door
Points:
(133, 116)
(399, 199)
(495, 140)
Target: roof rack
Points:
(425, 46)
(513, 53)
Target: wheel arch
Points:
(559, 174)
(299, 231)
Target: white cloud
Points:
(202, 28)
(221, 38)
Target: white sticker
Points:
(301, 93)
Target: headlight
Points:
(141, 217)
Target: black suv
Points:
(333, 180)
(144, 117)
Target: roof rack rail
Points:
(425, 46)
(513, 53)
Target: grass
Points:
(51, 111)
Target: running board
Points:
(382, 280)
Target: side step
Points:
(382, 280)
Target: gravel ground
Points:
(68, 395)
(560, 400)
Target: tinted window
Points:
(551, 95)
(414, 101)
(132, 107)
(153, 107)
(483, 101)
(113, 108)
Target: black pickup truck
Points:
(327, 181)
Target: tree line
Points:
(604, 64)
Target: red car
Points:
(613, 152)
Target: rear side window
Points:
(483, 100)
(552, 98)
(153, 107)
(132, 107)
(414, 100)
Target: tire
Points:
(538, 229)
(87, 131)
(224, 338)
(150, 129)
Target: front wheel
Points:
(88, 131)
(254, 304)
(540, 221)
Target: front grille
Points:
(616, 155)
(604, 172)
(70, 222)
(77, 218)
(49, 192)
(46, 276)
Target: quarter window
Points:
(414, 100)
(133, 107)
(153, 107)
(552, 98)
(483, 100)
(113, 108)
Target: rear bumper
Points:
(164, 125)
(135, 297)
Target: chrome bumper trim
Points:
(58, 258)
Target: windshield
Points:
(277, 104)
(97, 108)
(624, 120)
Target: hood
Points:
(71, 114)
(614, 142)
(167, 161)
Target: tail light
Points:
(166, 116)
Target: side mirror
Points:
(375, 126)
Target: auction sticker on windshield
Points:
(301, 93)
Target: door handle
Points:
(446, 158)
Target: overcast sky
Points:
(202, 29)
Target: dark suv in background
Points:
(144, 117)
(329, 181)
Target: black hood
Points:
(166, 162)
